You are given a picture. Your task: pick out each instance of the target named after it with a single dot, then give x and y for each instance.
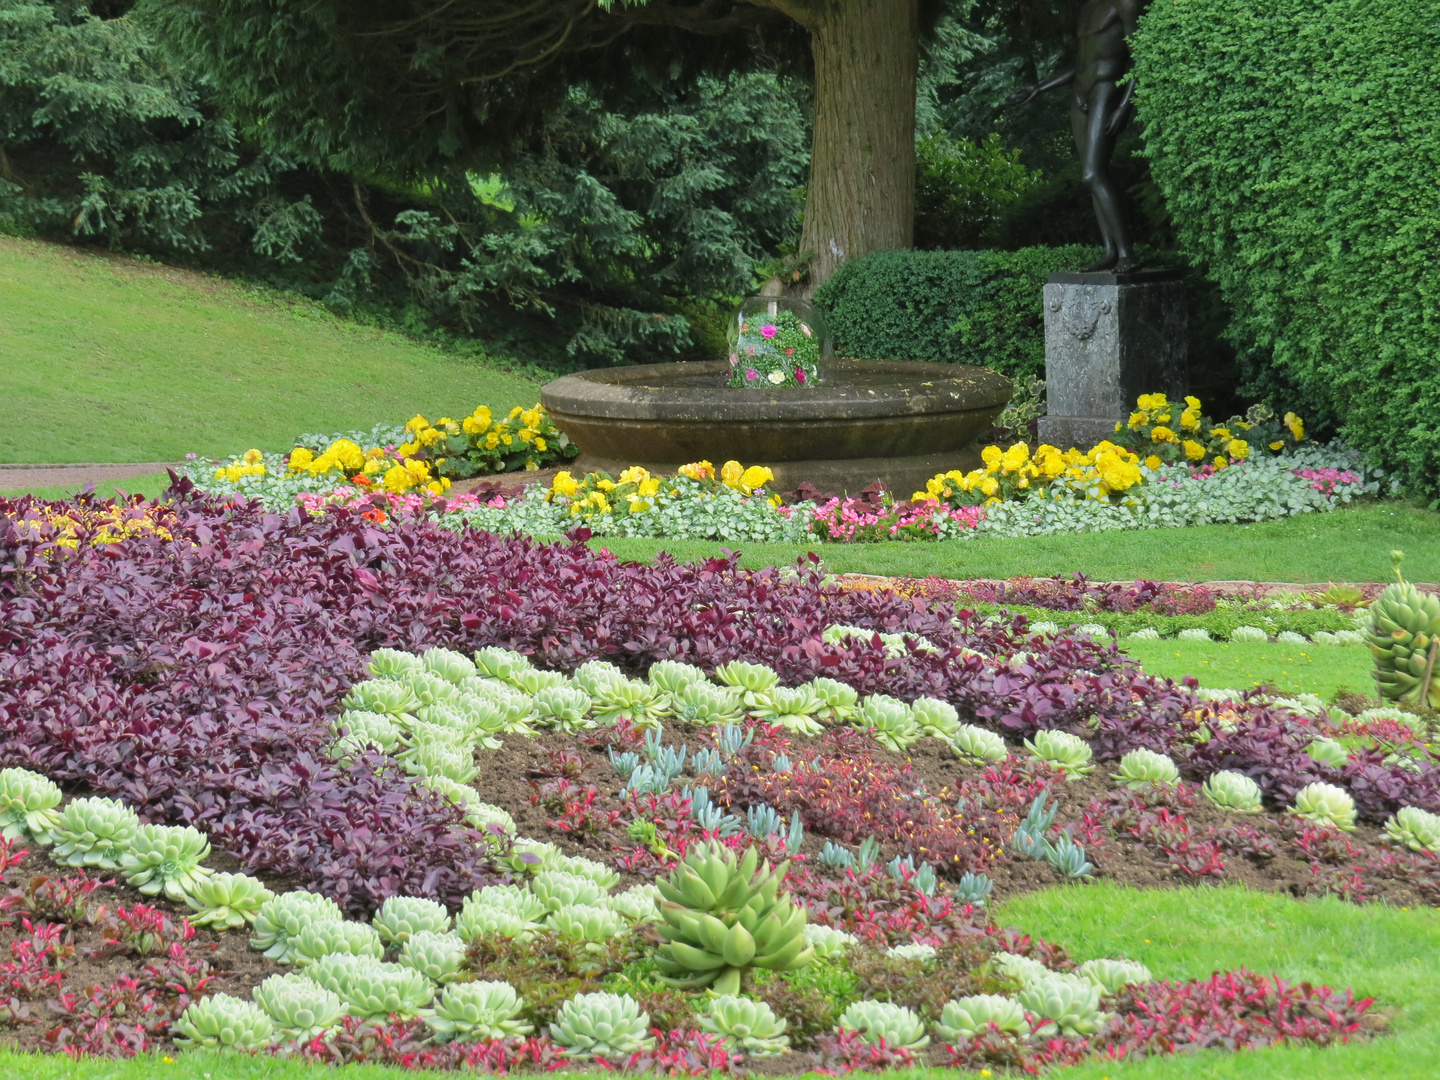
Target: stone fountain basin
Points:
(893, 421)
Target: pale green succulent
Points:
(564, 707)
(1141, 767)
(432, 689)
(226, 901)
(750, 1027)
(964, 1018)
(488, 718)
(516, 899)
(439, 957)
(559, 888)
(451, 666)
(936, 718)
(1061, 750)
(840, 700)
(166, 859)
(607, 877)
(394, 664)
(365, 729)
(1413, 828)
(1249, 633)
(330, 936)
(225, 1022)
(920, 953)
(439, 759)
(889, 720)
(586, 922)
(706, 703)
(977, 746)
(794, 708)
(1328, 752)
(401, 916)
(381, 696)
(1112, 976)
(375, 990)
(438, 732)
(532, 680)
(1069, 1004)
(601, 1025)
(900, 1027)
(1327, 805)
(28, 804)
(94, 832)
(1233, 791)
(481, 814)
(280, 920)
(827, 941)
(494, 662)
(482, 920)
(521, 846)
(637, 904)
(333, 971)
(671, 676)
(753, 678)
(476, 1011)
(631, 698)
(1020, 968)
(593, 674)
(301, 1008)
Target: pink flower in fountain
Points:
(800, 374)
(767, 332)
(790, 352)
(804, 329)
(734, 359)
(751, 374)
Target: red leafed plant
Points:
(681, 1052)
(846, 1052)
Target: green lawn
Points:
(111, 359)
(1291, 669)
(1178, 933)
(150, 485)
(1351, 544)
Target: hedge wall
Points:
(1297, 143)
(958, 307)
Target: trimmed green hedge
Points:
(1297, 145)
(956, 307)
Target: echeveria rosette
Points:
(1233, 791)
(901, 1028)
(1413, 828)
(750, 1027)
(977, 746)
(28, 804)
(964, 1018)
(1070, 1004)
(1061, 750)
(475, 1011)
(401, 916)
(1142, 768)
(829, 942)
(560, 888)
(280, 920)
(1112, 976)
(1326, 804)
(601, 1025)
(166, 859)
(328, 937)
(773, 351)
(439, 957)
(372, 989)
(227, 901)
(300, 1008)
(889, 720)
(94, 832)
(224, 1022)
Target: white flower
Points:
(776, 377)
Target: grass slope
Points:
(112, 359)
(1291, 669)
(150, 486)
(1351, 544)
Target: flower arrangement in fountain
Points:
(776, 343)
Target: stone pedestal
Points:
(1108, 339)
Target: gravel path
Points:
(25, 477)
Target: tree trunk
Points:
(862, 168)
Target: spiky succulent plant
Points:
(394, 664)
(827, 941)
(388, 696)
(720, 918)
(1070, 1005)
(637, 904)
(590, 924)
(706, 703)
(963, 1018)
(440, 759)
(901, 1028)
(28, 804)
(750, 678)
(1233, 791)
(280, 920)
(936, 718)
(566, 708)
(475, 1011)
(1413, 828)
(607, 877)
(601, 1025)
(301, 1008)
(331, 936)
(1402, 633)
(978, 746)
(795, 708)
(372, 989)
(439, 957)
(166, 859)
(1327, 805)
(1021, 968)
(226, 901)
(225, 1022)
(451, 666)
(889, 720)
(1328, 752)
(401, 916)
(632, 698)
(494, 662)
(1141, 767)
(94, 832)
(840, 699)
(559, 888)
(361, 730)
(532, 680)
(1064, 751)
(750, 1027)
(1112, 976)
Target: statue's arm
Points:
(1060, 78)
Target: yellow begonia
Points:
(989, 486)
(430, 436)
(300, 459)
(1278, 445)
(1193, 450)
(1153, 462)
(698, 470)
(492, 440)
(650, 487)
(1163, 434)
(1015, 457)
(605, 484)
(417, 423)
(372, 466)
(1151, 402)
(1239, 448)
(730, 474)
(1220, 433)
(1192, 403)
(1163, 418)
(253, 457)
(533, 418)
(756, 476)
(1137, 419)
(1189, 421)
(1220, 462)
(516, 411)
(564, 484)
(526, 434)
(991, 455)
(540, 444)
(396, 479)
(1296, 426)
(634, 475)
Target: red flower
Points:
(376, 516)
(361, 480)
(790, 352)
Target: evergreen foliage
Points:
(1297, 148)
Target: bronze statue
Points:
(1099, 111)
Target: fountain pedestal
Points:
(872, 420)
(1108, 339)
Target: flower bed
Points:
(218, 677)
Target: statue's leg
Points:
(1080, 114)
(1095, 156)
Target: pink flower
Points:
(744, 328)
(734, 359)
(767, 332)
(789, 352)
(751, 374)
(749, 350)
(805, 329)
(800, 374)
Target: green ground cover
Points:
(1291, 669)
(113, 359)
(1350, 544)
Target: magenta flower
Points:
(800, 374)
(767, 332)
(751, 374)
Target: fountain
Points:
(839, 424)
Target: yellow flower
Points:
(698, 470)
(397, 479)
(1192, 403)
(1219, 433)
(471, 426)
(730, 474)
(564, 484)
(417, 423)
(756, 476)
(1163, 418)
(1193, 450)
(1137, 419)
(649, 487)
(1016, 456)
(598, 500)
(533, 418)
(491, 442)
(516, 411)
(507, 440)
(1150, 402)
(991, 457)
(526, 434)
(1242, 425)
(1153, 462)
(300, 458)
(634, 475)
(1239, 448)
(540, 444)
(1278, 445)
(605, 484)
(253, 457)
(1163, 434)
(409, 448)
(1189, 421)
(989, 486)
(430, 436)
(1296, 426)
(1220, 462)
(417, 469)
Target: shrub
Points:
(955, 307)
(963, 187)
(1303, 179)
